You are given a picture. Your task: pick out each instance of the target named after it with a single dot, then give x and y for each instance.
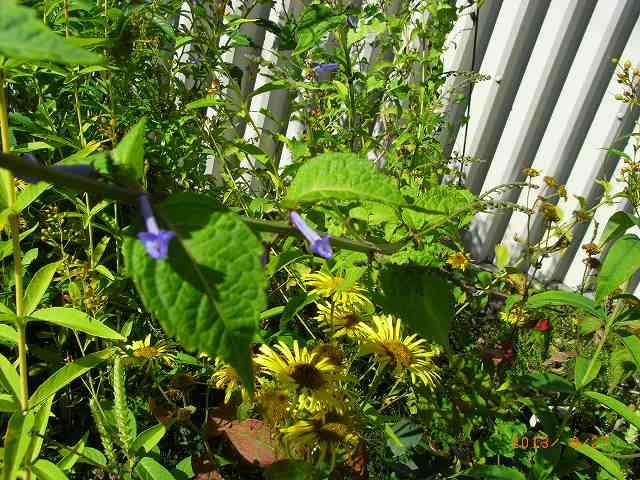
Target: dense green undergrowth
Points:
(316, 318)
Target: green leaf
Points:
(403, 436)
(424, 300)
(129, 153)
(203, 103)
(633, 344)
(93, 457)
(341, 176)
(46, 470)
(6, 246)
(618, 223)
(76, 320)
(549, 381)
(289, 470)
(40, 427)
(621, 262)
(582, 377)
(23, 37)
(8, 403)
(494, 472)
(27, 196)
(72, 455)
(315, 21)
(68, 374)
(601, 459)
(16, 441)
(9, 378)
(502, 255)
(38, 285)
(559, 297)
(617, 406)
(149, 438)
(8, 335)
(209, 292)
(148, 469)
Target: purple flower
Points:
(325, 68)
(155, 241)
(352, 21)
(319, 245)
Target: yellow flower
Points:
(346, 319)
(516, 316)
(144, 352)
(274, 404)
(330, 352)
(405, 355)
(322, 433)
(226, 378)
(312, 377)
(338, 289)
(458, 260)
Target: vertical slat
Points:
(511, 43)
(542, 81)
(606, 35)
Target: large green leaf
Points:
(617, 406)
(495, 472)
(559, 297)
(403, 436)
(149, 469)
(600, 458)
(548, 381)
(129, 153)
(39, 428)
(424, 300)
(69, 373)
(46, 470)
(16, 441)
(38, 285)
(149, 438)
(341, 176)
(72, 455)
(584, 376)
(617, 224)
(316, 20)
(621, 262)
(633, 345)
(290, 469)
(75, 319)
(8, 335)
(209, 292)
(23, 37)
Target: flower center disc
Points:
(307, 376)
(399, 352)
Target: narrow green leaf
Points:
(616, 226)
(16, 441)
(149, 438)
(617, 406)
(549, 381)
(502, 255)
(582, 376)
(8, 335)
(424, 300)
(203, 103)
(46, 470)
(622, 261)
(601, 459)
(69, 373)
(129, 153)
(149, 469)
(633, 345)
(39, 429)
(209, 292)
(93, 457)
(559, 297)
(9, 378)
(495, 472)
(72, 455)
(30, 194)
(76, 320)
(341, 176)
(6, 246)
(38, 285)
(8, 403)
(23, 37)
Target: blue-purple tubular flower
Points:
(325, 68)
(352, 21)
(155, 241)
(319, 245)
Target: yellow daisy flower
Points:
(226, 378)
(405, 355)
(346, 319)
(274, 404)
(321, 434)
(337, 288)
(143, 352)
(516, 316)
(458, 260)
(333, 354)
(312, 377)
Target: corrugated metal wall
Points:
(549, 104)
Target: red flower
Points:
(543, 325)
